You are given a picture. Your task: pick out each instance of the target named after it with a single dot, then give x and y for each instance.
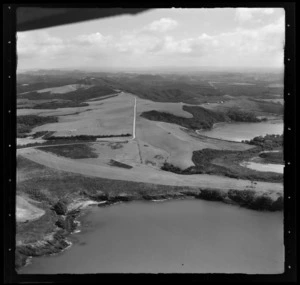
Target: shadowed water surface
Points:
(244, 131)
(175, 236)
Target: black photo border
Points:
(9, 154)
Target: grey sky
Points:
(223, 37)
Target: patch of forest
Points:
(60, 104)
(267, 142)
(76, 151)
(202, 118)
(272, 157)
(27, 122)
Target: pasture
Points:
(111, 116)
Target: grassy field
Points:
(248, 105)
(171, 108)
(176, 143)
(111, 116)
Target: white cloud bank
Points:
(162, 25)
(154, 46)
(247, 14)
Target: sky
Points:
(160, 38)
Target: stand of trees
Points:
(26, 123)
(267, 142)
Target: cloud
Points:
(93, 39)
(253, 47)
(38, 43)
(248, 14)
(41, 45)
(260, 45)
(137, 43)
(162, 25)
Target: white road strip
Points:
(134, 119)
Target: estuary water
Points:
(244, 131)
(192, 236)
(266, 167)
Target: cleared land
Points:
(64, 89)
(114, 116)
(259, 108)
(171, 108)
(177, 143)
(125, 152)
(111, 116)
(143, 174)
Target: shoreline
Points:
(277, 120)
(58, 240)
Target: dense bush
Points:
(249, 199)
(76, 151)
(277, 205)
(239, 116)
(60, 208)
(56, 105)
(272, 157)
(79, 95)
(267, 142)
(86, 137)
(170, 167)
(202, 118)
(27, 122)
(68, 223)
(211, 195)
(119, 164)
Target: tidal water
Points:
(266, 167)
(192, 236)
(244, 131)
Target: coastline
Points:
(57, 241)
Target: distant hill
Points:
(79, 95)
(202, 118)
(187, 87)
